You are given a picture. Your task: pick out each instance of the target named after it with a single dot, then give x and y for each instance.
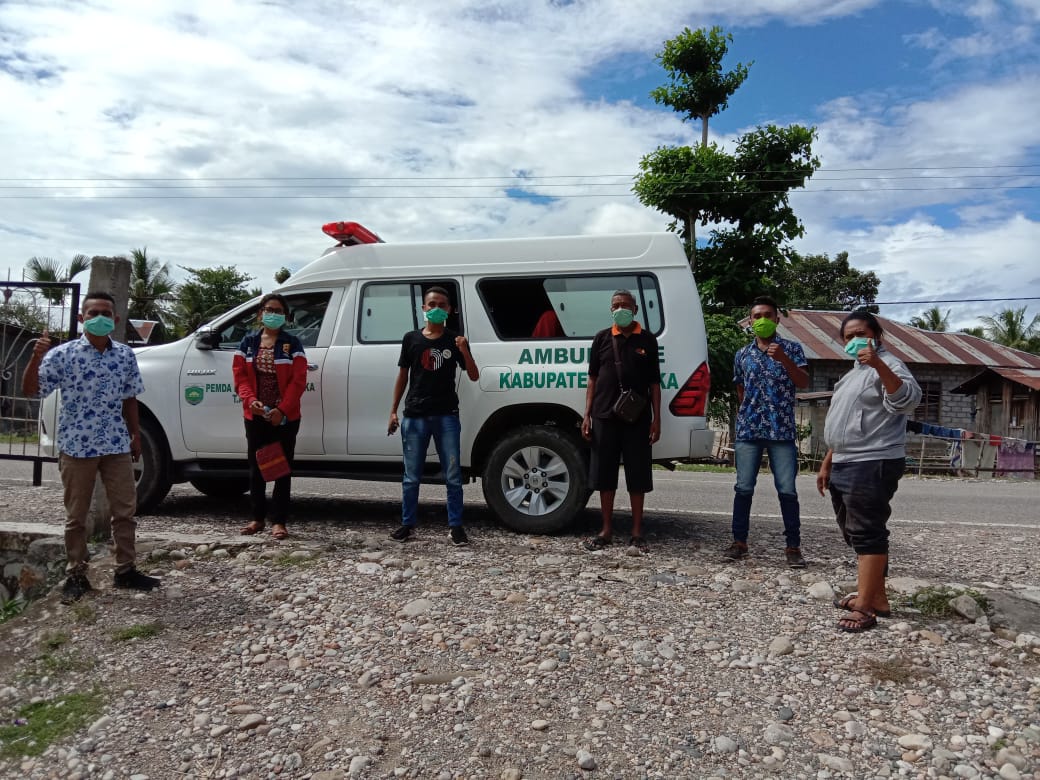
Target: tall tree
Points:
(46, 269)
(819, 283)
(209, 292)
(931, 319)
(152, 289)
(1009, 328)
(281, 276)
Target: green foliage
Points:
(139, 631)
(931, 319)
(152, 289)
(697, 87)
(83, 613)
(819, 283)
(934, 601)
(1009, 327)
(46, 269)
(725, 337)
(54, 640)
(281, 276)
(23, 314)
(12, 608)
(209, 292)
(975, 331)
(41, 724)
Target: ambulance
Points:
(529, 308)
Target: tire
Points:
(152, 470)
(536, 480)
(221, 487)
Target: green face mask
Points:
(622, 317)
(855, 345)
(763, 327)
(436, 316)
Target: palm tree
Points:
(44, 269)
(931, 319)
(1010, 329)
(151, 287)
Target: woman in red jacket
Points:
(270, 372)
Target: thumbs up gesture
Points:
(43, 343)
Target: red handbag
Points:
(272, 462)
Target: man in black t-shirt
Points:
(429, 358)
(611, 437)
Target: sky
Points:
(229, 132)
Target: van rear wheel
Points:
(536, 480)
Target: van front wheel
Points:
(536, 480)
(151, 471)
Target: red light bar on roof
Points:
(350, 233)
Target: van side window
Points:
(391, 309)
(308, 313)
(572, 307)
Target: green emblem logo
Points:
(193, 395)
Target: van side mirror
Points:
(207, 339)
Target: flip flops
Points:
(279, 532)
(857, 625)
(254, 527)
(845, 602)
(596, 543)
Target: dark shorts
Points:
(614, 441)
(861, 493)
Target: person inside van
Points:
(624, 357)
(426, 367)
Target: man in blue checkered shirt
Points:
(767, 373)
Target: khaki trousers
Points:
(117, 475)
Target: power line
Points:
(955, 300)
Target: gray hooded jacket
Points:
(863, 421)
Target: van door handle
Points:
(312, 366)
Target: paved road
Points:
(930, 501)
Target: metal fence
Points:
(27, 309)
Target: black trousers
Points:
(861, 492)
(260, 433)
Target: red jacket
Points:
(290, 366)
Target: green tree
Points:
(23, 314)
(46, 269)
(975, 331)
(819, 283)
(725, 337)
(931, 319)
(152, 289)
(209, 292)
(282, 275)
(1009, 328)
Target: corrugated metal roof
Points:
(1029, 377)
(817, 331)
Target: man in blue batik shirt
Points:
(98, 434)
(766, 373)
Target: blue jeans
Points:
(416, 433)
(783, 462)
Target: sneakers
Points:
(402, 533)
(736, 551)
(76, 587)
(457, 534)
(134, 580)
(794, 557)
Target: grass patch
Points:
(12, 608)
(54, 640)
(140, 631)
(19, 438)
(286, 561)
(57, 664)
(934, 601)
(83, 613)
(46, 722)
(895, 669)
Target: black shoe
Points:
(134, 580)
(402, 533)
(76, 587)
(794, 557)
(736, 551)
(457, 534)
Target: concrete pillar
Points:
(111, 275)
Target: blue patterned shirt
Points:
(767, 411)
(93, 387)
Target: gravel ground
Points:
(338, 654)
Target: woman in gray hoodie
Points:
(865, 432)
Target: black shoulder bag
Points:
(630, 405)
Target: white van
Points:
(529, 307)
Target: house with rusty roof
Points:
(967, 382)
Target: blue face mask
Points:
(855, 345)
(99, 326)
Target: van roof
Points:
(504, 256)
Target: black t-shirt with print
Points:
(431, 379)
